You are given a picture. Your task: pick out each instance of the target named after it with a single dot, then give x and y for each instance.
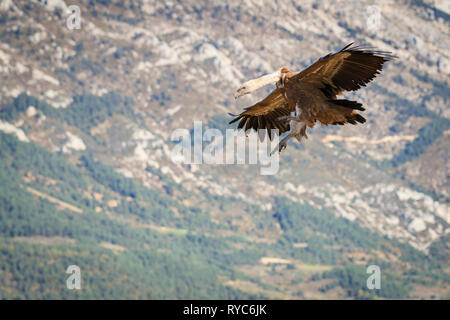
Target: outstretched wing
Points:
(265, 114)
(347, 70)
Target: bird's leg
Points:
(296, 116)
(297, 124)
(301, 133)
(298, 112)
(283, 143)
(292, 117)
(298, 130)
(287, 118)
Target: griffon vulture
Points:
(302, 98)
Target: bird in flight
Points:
(302, 98)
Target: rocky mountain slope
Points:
(115, 90)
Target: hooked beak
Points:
(241, 91)
(255, 84)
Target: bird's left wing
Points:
(347, 70)
(265, 114)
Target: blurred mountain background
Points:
(86, 176)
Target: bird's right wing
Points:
(265, 114)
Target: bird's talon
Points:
(281, 146)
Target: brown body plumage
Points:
(302, 98)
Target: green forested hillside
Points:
(152, 264)
(135, 257)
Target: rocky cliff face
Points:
(181, 61)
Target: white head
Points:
(255, 84)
